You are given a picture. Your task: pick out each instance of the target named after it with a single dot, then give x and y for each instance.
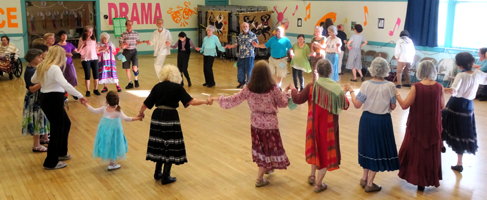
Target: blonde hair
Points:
(55, 56)
(47, 35)
(170, 73)
(38, 41)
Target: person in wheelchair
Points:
(6, 49)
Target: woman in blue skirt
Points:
(377, 148)
(458, 118)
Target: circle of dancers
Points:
(50, 79)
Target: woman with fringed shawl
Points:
(325, 100)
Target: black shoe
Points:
(406, 85)
(129, 86)
(353, 80)
(189, 84)
(158, 176)
(398, 86)
(457, 168)
(240, 85)
(205, 84)
(96, 92)
(136, 83)
(420, 188)
(168, 180)
(75, 98)
(88, 94)
(210, 85)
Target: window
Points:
(461, 23)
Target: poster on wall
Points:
(259, 24)
(219, 19)
(118, 26)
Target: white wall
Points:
(147, 23)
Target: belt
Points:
(280, 57)
(165, 107)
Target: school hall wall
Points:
(178, 15)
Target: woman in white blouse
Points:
(404, 54)
(376, 144)
(54, 85)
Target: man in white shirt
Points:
(161, 40)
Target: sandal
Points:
(105, 89)
(353, 80)
(363, 183)
(261, 183)
(39, 148)
(311, 179)
(320, 188)
(59, 165)
(373, 188)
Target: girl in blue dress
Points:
(110, 142)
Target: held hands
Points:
(167, 43)
(197, 49)
(255, 44)
(448, 90)
(83, 101)
(209, 101)
(141, 115)
(137, 118)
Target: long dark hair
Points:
(85, 35)
(261, 80)
(113, 99)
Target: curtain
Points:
(422, 22)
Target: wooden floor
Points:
(218, 147)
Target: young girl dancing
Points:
(110, 142)
(34, 121)
(264, 98)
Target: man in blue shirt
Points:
(246, 53)
(280, 46)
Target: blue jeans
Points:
(333, 58)
(245, 66)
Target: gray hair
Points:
(170, 73)
(379, 68)
(333, 29)
(212, 28)
(319, 28)
(323, 68)
(105, 35)
(426, 70)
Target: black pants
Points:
(53, 106)
(90, 65)
(298, 79)
(208, 70)
(183, 59)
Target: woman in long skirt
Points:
(420, 153)
(458, 118)
(376, 144)
(166, 143)
(325, 101)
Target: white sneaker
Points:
(113, 167)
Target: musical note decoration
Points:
(396, 26)
(366, 12)
(308, 12)
(295, 10)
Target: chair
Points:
(382, 54)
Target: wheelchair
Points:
(10, 65)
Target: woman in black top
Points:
(166, 144)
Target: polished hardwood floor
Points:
(218, 147)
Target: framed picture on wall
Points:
(380, 23)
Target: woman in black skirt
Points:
(166, 144)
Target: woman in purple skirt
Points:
(69, 71)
